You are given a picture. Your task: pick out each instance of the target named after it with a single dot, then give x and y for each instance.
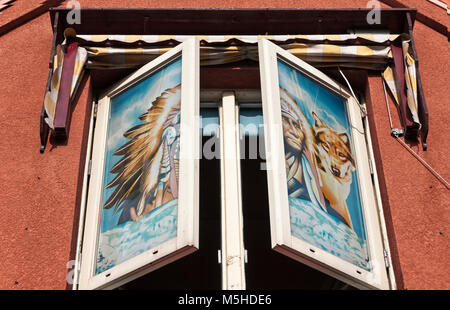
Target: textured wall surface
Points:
(40, 195)
(418, 202)
(39, 191)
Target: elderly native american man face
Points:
(297, 132)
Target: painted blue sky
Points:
(124, 114)
(312, 97)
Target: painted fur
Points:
(335, 164)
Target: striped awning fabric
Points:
(410, 81)
(357, 50)
(379, 37)
(51, 97)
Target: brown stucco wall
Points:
(39, 192)
(40, 195)
(417, 202)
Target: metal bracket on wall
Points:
(397, 133)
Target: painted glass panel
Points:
(324, 197)
(140, 185)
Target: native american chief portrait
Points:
(146, 175)
(298, 140)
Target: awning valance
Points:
(371, 38)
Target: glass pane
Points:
(251, 121)
(324, 197)
(251, 133)
(139, 208)
(209, 121)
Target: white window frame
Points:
(282, 240)
(232, 255)
(233, 252)
(187, 239)
(233, 274)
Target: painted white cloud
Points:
(291, 84)
(330, 120)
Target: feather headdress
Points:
(150, 155)
(291, 109)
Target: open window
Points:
(323, 207)
(142, 205)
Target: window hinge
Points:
(245, 256)
(363, 109)
(371, 167)
(386, 258)
(89, 166)
(219, 256)
(78, 266)
(95, 109)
